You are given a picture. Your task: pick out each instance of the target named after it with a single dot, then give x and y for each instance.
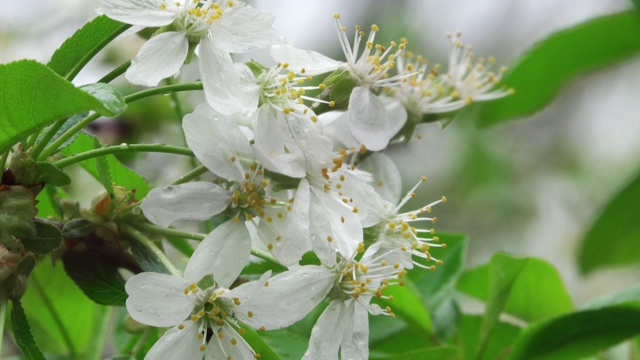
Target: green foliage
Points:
(543, 70)
(77, 50)
(147, 260)
(443, 353)
(498, 344)
(51, 175)
(96, 277)
(78, 228)
(104, 172)
(120, 174)
(38, 97)
(614, 237)
(61, 317)
(528, 297)
(17, 209)
(22, 333)
(578, 334)
(46, 239)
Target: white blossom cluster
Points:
(293, 174)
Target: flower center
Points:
(196, 16)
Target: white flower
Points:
(221, 27)
(368, 121)
(204, 313)
(472, 79)
(244, 191)
(399, 240)
(343, 327)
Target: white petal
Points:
(139, 12)
(220, 80)
(332, 218)
(397, 114)
(386, 176)
(368, 119)
(198, 200)
(355, 344)
(289, 297)
(273, 144)
(242, 29)
(288, 233)
(312, 62)
(223, 349)
(223, 253)
(157, 299)
(177, 344)
(160, 57)
(336, 125)
(215, 139)
(327, 333)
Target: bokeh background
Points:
(531, 186)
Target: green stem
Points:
(123, 148)
(264, 256)
(89, 55)
(3, 314)
(145, 241)
(67, 135)
(48, 135)
(176, 100)
(161, 90)
(190, 175)
(97, 343)
(169, 232)
(48, 303)
(115, 73)
(143, 339)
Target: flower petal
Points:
(160, 57)
(221, 81)
(198, 200)
(242, 29)
(289, 297)
(140, 12)
(336, 125)
(368, 119)
(312, 62)
(178, 344)
(334, 220)
(288, 231)
(386, 176)
(327, 333)
(157, 299)
(223, 253)
(215, 140)
(230, 346)
(355, 344)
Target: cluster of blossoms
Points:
(298, 167)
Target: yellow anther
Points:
(336, 16)
(250, 314)
(234, 342)
(270, 247)
(332, 103)
(236, 301)
(203, 347)
(444, 200)
(180, 327)
(329, 238)
(163, 7)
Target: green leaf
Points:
(104, 173)
(34, 96)
(627, 295)
(78, 228)
(108, 96)
(437, 287)
(47, 238)
(77, 50)
(409, 306)
(614, 237)
(96, 277)
(70, 122)
(147, 260)
(579, 334)
(288, 345)
(51, 175)
(503, 336)
(547, 66)
(22, 333)
(120, 174)
(259, 345)
(61, 317)
(397, 342)
(441, 353)
(181, 245)
(536, 293)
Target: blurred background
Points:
(529, 187)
